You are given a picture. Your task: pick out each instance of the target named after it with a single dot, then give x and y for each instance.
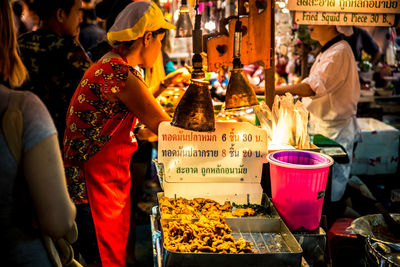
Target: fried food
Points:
(184, 208)
(202, 235)
(201, 227)
(238, 212)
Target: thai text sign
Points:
(356, 19)
(350, 6)
(234, 153)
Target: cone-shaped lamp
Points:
(239, 93)
(195, 110)
(184, 25)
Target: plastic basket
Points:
(298, 182)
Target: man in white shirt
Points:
(331, 93)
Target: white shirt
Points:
(334, 79)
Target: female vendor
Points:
(99, 139)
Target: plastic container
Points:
(298, 182)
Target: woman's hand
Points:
(146, 134)
(179, 77)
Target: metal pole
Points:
(270, 72)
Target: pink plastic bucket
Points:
(298, 182)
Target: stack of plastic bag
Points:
(286, 123)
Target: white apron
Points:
(346, 133)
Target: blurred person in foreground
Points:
(55, 61)
(331, 93)
(37, 188)
(100, 131)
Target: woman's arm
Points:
(142, 103)
(157, 90)
(44, 172)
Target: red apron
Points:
(108, 183)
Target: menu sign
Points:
(234, 153)
(348, 6)
(355, 19)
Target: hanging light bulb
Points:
(239, 92)
(210, 25)
(195, 110)
(184, 24)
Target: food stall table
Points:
(314, 246)
(238, 147)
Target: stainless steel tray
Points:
(272, 240)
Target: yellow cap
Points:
(136, 19)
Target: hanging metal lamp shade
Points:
(239, 93)
(195, 110)
(184, 25)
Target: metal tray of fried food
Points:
(272, 242)
(265, 202)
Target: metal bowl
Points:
(374, 225)
(379, 254)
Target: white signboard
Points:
(234, 153)
(349, 6)
(355, 19)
